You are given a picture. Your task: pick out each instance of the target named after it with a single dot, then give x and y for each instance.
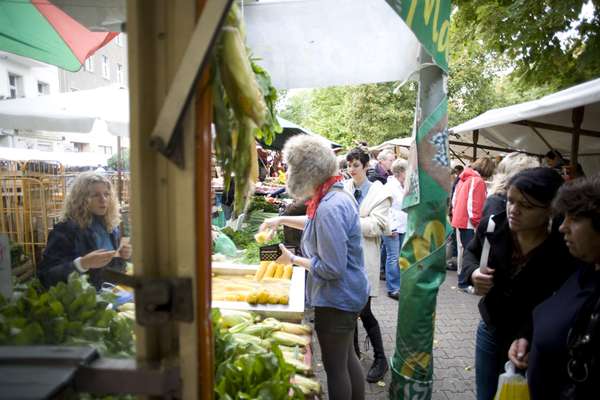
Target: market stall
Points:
(567, 121)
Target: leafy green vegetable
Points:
(246, 371)
(260, 203)
(68, 313)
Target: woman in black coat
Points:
(86, 239)
(526, 265)
(564, 361)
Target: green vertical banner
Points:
(422, 258)
(430, 22)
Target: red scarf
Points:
(320, 192)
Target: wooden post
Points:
(577, 119)
(203, 119)
(163, 203)
(475, 140)
(119, 171)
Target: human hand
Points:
(270, 225)
(124, 250)
(483, 280)
(97, 259)
(519, 353)
(286, 256)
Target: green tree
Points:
(347, 114)
(551, 43)
(112, 161)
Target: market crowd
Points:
(525, 238)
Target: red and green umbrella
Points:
(40, 30)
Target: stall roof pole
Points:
(475, 140)
(203, 121)
(577, 118)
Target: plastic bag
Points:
(224, 245)
(512, 385)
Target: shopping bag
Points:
(224, 245)
(512, 385)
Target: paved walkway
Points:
(454, 344)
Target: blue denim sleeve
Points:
(331, 259)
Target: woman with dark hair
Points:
(522, 264)
(564, 361)
(337, 285)
(374, 202)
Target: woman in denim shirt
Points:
(337, 285)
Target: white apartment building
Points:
(24, 77)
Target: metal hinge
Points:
(158, 300)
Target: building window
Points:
(43, 88)
(45, 145)
(107, 150)
(89, 64)
(80, 147)
(105, 68)
(119, 39)
(120, 76)
(15, 86)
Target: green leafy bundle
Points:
(261, 203)
(244, 108)
(246, 371)
(69, 313)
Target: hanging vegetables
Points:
(244, 109)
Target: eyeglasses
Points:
(357, 194)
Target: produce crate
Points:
(292, 312)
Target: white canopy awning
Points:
(536, 126)
(69, 112)
(70, 159)
(319, 43)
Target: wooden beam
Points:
(533, 128)
(485, 147)
(475, 140)
(577, 118)
(457, 156)
(557, 128)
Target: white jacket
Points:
(374, 223)
(398, 218)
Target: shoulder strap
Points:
(485, 253)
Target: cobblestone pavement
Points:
(454, 344)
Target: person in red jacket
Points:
(467, 206)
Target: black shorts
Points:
(333, 320)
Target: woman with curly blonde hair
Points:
(87, 236)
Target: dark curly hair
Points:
(359, 154)
(580, 198)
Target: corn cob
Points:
(278, 272)
(287, 271)
(296, 329)
(299, 366)
(239, 79)
(284, 299)
(270, 270)
(260, 272)
(307, 386)
(289, 339)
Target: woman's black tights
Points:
(345, 376)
